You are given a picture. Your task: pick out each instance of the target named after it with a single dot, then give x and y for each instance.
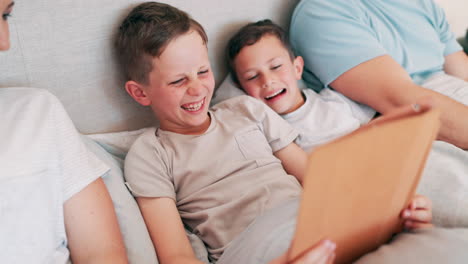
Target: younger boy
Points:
(215, 171)
(263, 65)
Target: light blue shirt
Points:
(335, 36)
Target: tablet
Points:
(356, 186)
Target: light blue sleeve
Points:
(447, 37)
(333, 37)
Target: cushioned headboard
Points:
(66, 47)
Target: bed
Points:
(65, 47)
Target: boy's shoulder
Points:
(240, 102)
(242, 106)
(145, 140)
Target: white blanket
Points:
(445, 178)
(445, 182)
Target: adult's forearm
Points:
(454, 125)
(384, 85)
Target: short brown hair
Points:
(251, 34)
(146, 32)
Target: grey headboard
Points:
(65, 46)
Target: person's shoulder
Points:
(31, 103)
(147, 137)
(145, 142)
(316, 6)
(429, 6)
(25, 95)
(315, 14)
(241, 105)
(235, 101)
(310, 92)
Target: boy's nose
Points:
(267, 80)
(195, 88)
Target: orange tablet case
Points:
(357, 185)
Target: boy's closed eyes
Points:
(267, 72)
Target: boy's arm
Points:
(294, 160)
(384, 85)
(166, 230)
(92, 228)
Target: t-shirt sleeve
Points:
(77, 164)
(441, 25)
(278, 132)
(332, 37)
(146, 168)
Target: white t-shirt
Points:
(326, 116)
(42, 164)
(220, 180)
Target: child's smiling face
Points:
(181, 85)
(266, 71)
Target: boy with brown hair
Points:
(230, 174)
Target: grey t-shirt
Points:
(220, 180)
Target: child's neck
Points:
(299, 102)
(194, 130)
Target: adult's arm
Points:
(166, 230)
(92, 228)
(384, 85)
(456, 64)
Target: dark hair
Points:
(146, 32)
(251, 34)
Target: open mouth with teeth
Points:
(194, 107)
(276, 94)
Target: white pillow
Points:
(226, 90)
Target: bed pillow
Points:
(226, 90)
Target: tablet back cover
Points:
(356, 186)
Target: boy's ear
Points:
(299, 66)
(136, 91)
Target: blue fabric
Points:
(335, 36)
